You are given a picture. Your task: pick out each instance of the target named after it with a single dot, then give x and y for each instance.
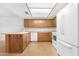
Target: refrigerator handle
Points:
(65, 44)
(62, 25)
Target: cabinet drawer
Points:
(44, 36)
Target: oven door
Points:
(54, 41)
(65, 49)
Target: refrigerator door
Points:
(67, 24)
(65, 49)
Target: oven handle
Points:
(65, 44)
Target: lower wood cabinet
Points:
(44, 36)
(16, 43)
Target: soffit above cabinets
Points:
(57, 8)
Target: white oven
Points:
(54, 40)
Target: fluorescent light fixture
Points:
(40, 1)
(39, 15)
(41, 5)
(40, 10)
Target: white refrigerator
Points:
(68, 30)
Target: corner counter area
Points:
(22, 39)
(16, 42)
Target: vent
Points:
(26, 12)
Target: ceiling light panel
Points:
(39, 15)
(40, 1)
(40, 10)
(41, 5)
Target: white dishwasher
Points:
(34, 36)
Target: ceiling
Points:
(40, 10)
(34, 10)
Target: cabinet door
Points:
(54, 22)
(20, 42)
(40, 23)
(16, 43)
(28, 37)
(8, 41)
(25, 40)
(12, 44)
(44, 36)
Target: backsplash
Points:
(40, 29)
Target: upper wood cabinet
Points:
(39, 22)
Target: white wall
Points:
(9, 22)
(50, 29)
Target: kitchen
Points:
(17, 30)
(23, 23)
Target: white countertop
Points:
(54, 33)
(16, 32)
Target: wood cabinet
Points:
(39, 22)
(16, 43)
(44, 36)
